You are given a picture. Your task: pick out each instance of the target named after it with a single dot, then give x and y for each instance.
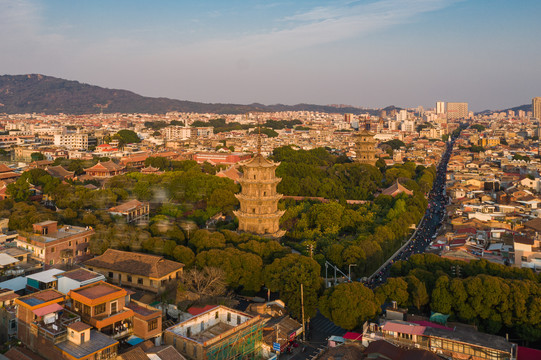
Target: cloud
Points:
(326, 24)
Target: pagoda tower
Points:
(258, 199)
(366, 148)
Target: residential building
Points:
(440, 107)
(72, 141)
(133, 211)
(218, 333)
(103, 306)
(51, 245)
(143, 271)
(457, 110)
(46, 327)
(457, 342)
(74, 279)
(8, 315)
(536, 108)
(221, 158)
(177, 132)
(43, 280)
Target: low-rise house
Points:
(133, 211)
(220, 332)
(77, 278)
(143, 271)
(8, 315)
(459, 342)
(46, 327)
(51, 245)
(43, 280)
(109, 309)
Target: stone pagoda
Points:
(258, 199)
(366, 148)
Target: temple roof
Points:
(260, 161)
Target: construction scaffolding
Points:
(246, 344)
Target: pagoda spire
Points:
(258, 136)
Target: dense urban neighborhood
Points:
(388, 234)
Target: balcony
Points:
(56, 331)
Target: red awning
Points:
(47, 309)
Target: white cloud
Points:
(327, 24)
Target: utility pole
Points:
(302, 310)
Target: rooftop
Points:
(97, 342)
(127, 206)
(63, 232)
(46, 276)
(80, 275)
(98, 290)
(41, 297)
(470, 336)
(135, 263)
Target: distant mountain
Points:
(45, 94)
(525, 107)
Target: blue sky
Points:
(364, 53)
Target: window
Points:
(69, 243)
(140, 281)
(111, 274)
(129, 278)
(99, 309)
(523, 258)
(114, 307)
(188, 332)
(238, 319)
(216, 315)
(52, 250)
(152, 324)
(228, 317)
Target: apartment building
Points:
(109, 309)
(72, 141)
(51, 245)
(177, 133)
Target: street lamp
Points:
(350, 265)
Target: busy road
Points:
(427, 228)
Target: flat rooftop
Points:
(97, 342)
(62, 233)
(97, 290)
(211, 332)
(41, 297)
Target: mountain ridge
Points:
(36, 93)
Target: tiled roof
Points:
(58, 171)
(127, 206)
(80, 274)
(135, 263)
(105, 166)
(79, 326)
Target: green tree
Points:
(36, 156)
(286, 275)
(349, 305)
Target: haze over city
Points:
(362, 53)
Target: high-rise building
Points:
(440, 107)
(536, 107)
(457, 110)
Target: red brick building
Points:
(51, 245)
(221, 158)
